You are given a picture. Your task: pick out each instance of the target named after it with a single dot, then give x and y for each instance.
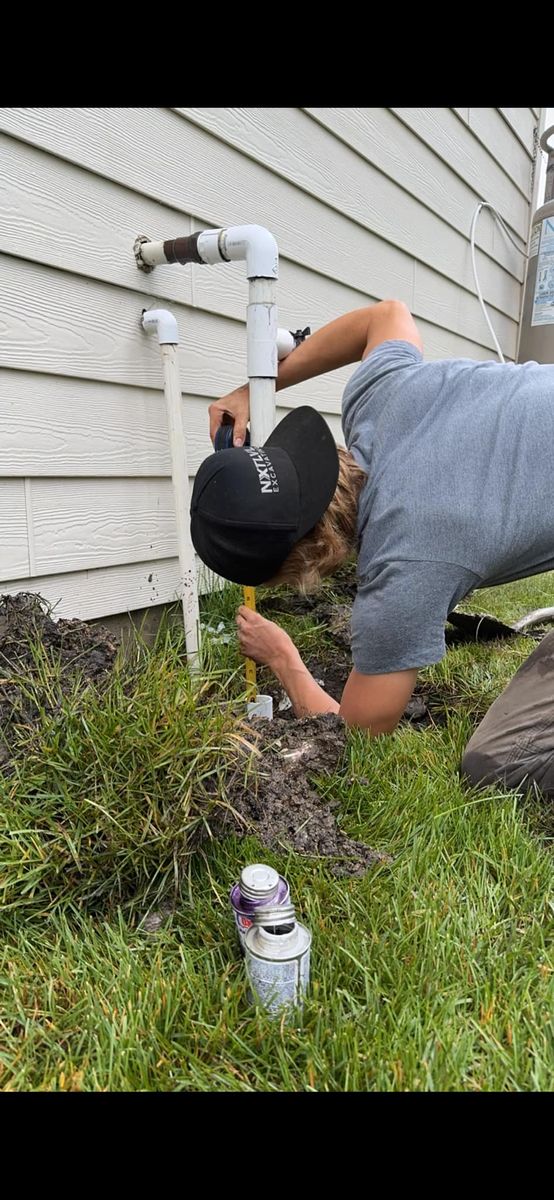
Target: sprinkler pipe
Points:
(161, 322)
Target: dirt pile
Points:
(31, 640)
(281, 806)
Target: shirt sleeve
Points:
(372, 378)
(388, 356)
(400, 612)
(393, 353)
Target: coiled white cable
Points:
(502, 223)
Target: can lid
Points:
(258, 881)
(274, 914)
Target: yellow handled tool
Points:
(249, 596)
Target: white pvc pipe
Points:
(285, 343)
(261, 357)
(257, 246)
(261, 706)
(265, 345)
(262, 410)
(163, 323)
(253, 243)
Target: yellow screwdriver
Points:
(249, 596)
(224, 441)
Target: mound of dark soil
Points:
(29, 640)
(282, 808)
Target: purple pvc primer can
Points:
(258, 885)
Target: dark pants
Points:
(514, 744)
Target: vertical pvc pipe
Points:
(261, 365)
(179, 471)
(261, 357)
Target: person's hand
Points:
(235, 405)
(261, 639)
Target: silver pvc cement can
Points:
(277, 957)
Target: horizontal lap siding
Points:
(65, 427)
(104, 591)
(364, 204)
(14, 556)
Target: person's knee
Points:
(518, 768)
(488, 758)
(478, 768)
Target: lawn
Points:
(433, 971)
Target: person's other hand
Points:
(261, 639)
(235, 405)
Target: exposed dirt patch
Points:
(27, 632)
(282, 808)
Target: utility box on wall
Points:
(537, 319)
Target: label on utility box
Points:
(543, 300)
(533, 244)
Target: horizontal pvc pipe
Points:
(285, 343)
(253, 243)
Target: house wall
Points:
(364, 204)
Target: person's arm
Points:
(372, 702)
(346, 340)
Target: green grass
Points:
(434, 972)
(108, 798)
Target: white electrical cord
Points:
(503, 225)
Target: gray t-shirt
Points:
(459, 457)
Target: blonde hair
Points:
(333, 539)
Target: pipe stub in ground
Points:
(260, 706)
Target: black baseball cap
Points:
(250, 505)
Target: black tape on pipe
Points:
(183, 249)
